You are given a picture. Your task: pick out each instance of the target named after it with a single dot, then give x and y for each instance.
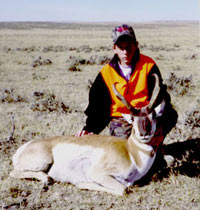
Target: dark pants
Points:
(120, 128)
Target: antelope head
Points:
(144, 120)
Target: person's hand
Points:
(83, 133)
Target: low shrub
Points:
(41, 62)
(179, 86)
(94, 59)
(46, 102)
(10, 96)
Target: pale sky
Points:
(99, 10)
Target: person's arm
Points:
(98, 110)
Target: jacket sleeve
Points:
(98, 110)
(170, 116)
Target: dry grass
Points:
(40, 97)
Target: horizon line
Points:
(107, 21)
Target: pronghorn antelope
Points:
(94, 162)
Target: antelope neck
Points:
(134, 143)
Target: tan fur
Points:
(119, 158)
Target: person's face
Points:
(125, 48)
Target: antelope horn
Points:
(154, 96)
(155, 92)
(124, 101)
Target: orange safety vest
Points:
(135, 90)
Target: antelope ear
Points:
(160, 109)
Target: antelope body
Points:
(94, 162)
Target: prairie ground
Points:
(45, 70)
